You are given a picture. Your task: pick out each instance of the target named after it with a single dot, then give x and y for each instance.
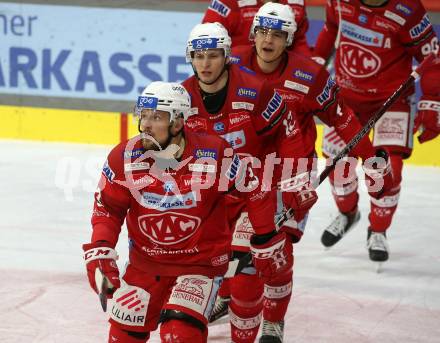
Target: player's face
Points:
(209, 64)
(270, 44)
(156, 124)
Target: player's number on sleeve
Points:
(431, 46)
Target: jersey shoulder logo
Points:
(220, 8)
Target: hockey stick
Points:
(373, 120)
(236, 266)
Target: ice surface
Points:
(46, 199)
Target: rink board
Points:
(58, 125)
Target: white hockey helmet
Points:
(170, 97)
(275, 16)
(208, 36)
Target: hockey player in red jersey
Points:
(169, 186)
(231, 102)
(376, 41)
(237, 15)
(308, 90)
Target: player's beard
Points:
(154, 144)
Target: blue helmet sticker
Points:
(147, 102)
(271, 23)
(204, 43)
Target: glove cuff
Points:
(263, 239)
(99, 253)
(428, 105)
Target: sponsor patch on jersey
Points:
(188, 181)
(238, 105)
(289, 96)
(358, 61)
(193, 111)
(247, 70)
(405, 9)
(233, 169)
(303, 75)
(296, 2)
(237, 119)
(196, 123)
(419, 29)
(168, 186)
(162, 202)
(273, 106)
(248, 13)
(363, 18)
(236, 139)
(205, 153)
(345, 9)
(219, 127)
(235, 59)
(296, 86)
(384, 24)
(393, 16)
(141, 181)
(219, 260)
(202, 168)
(133, 153)
(247, 92)
(361, 35)
(136, 166)
(326, 94)
(220, 8)
(108, 172)
(243, 3)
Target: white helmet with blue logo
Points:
(275, 16)
(208, 36)
(170, 97)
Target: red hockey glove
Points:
(378, 174)
(272, 254)
(428, 118)
(100, 258)
(299, 195)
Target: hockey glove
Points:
(299, 195)
(272, 254)
(101, 265)
(428, 118)
(378, 174)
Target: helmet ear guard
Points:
(170, 97)
(277, 17)
(208, 36)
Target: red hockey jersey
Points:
(237, 16)
(308, 90)
(376, 45)
(175, 215)
(251, 118)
